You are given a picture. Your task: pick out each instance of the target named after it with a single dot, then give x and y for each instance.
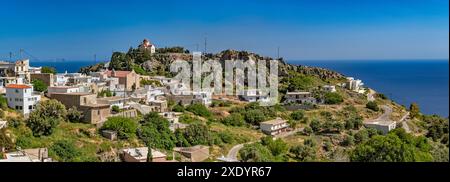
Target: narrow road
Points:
(385, 116)
(404, 123)
(232, 154)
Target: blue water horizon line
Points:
(367, 60)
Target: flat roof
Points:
(380, 123)
(297, 93)
(74, 93)
(274, 121)
(141, 152)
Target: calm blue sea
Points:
(425, 82)
(62, 66)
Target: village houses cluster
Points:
(130, 97)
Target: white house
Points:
(274, 127)
(21, 98)
(329, 88)
(354, 84)
(383, 126)
(254, 95)
(61, 79)
(300, 97)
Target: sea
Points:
(425, 82)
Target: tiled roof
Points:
(18, 86)
(120, 74)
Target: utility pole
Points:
(206, 43)
(278, 52)
(10, 56)
(95, 58)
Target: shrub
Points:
(199, 110)
(178, 108)
(297, 115)
(125, 127)
(74, 115)
(333, 98)
(39, 85)
(3, 103)
(115, 109)
(372, 106)
(234, 119)
(254, 116)
(47, 69)
(64, 150)
(46, 117)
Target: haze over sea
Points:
(423, 81)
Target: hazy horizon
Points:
(304, 30)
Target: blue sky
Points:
(303, 29)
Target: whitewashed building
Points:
(329, 88)
(274, 127)
(254, 95)
(22, 98)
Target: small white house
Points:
(254, 95)
(22, 98)
(354, 84)
(300, 97)
(329, 88)
(274, 127)
(383, 126)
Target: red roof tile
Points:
(18, 86)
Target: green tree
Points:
(256, 152)
(5, 142)
(254, 116)
(155, 132)
(47, 69)
(362, 136)
(304, 152)
(315, 125)
(39, 85)
(372, 106)
(46, 117)
(297, 115)
(333, 98)
(198, 134)
(414, 110)
(74, 115)
(397, 146)
(125, 127)
(348, 141)
(277, 147)
(178, 108)
(234, 119)
(115, 109)
(199, 110)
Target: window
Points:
(30, 107)
(17, 91)
(98, 112)
(17, 107)
(20, 107)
